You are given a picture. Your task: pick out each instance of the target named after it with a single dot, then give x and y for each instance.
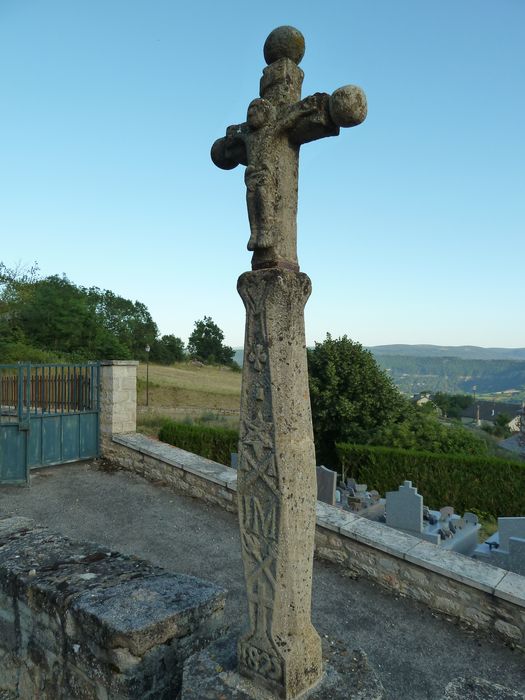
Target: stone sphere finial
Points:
(284, 42)
(348, 106)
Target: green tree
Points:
(421, 431)
(52, 318)
(15, 286)
(500, 429)
(206, 343)
(56, 316)
(452, 405)
(129, 322)
(351, 397)
(167, 350)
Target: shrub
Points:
(351, 396)
(495, 486)
(213, 443)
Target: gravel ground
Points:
(414, 652)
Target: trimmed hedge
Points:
(213, 443)
(489, 484)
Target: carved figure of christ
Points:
(268, 144)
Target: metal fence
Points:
(47, 389)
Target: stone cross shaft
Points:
(276, 478)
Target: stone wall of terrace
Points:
(475, 593)
(77, 621)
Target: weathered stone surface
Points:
(118, 399)
(510, 632)
(461, 568)
(268, 143)
(512, 588)
(276, 477)
(277, 485)
(187, 461)
(348, 106)
(212, 674)
(284, 42)
(78, 621)
(479, 689)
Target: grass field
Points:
(189, 392)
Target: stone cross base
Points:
(212, 673)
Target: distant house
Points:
(516, 443)
(422, 398)
(486, 413)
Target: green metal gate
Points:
(48, 415)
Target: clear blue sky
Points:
(411, 225)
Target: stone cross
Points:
(276, 476)
(268, 143)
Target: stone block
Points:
(91, 623)
(510, 632)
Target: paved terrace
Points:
(415, 652)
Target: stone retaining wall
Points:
(477, 594)
(77, 621)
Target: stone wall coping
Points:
(512, 588)
(480, 575)
(187, 461)
(119, 363)
(123, 601)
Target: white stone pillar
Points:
(118, 399)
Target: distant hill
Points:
(466, 352)
(238, 356)
(452, 369)
(414, 373)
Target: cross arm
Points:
(309, 119)
(321, 115)
(230, 151)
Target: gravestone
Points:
(445, 513)
(404, 509)
(276, 478)
(506, 547)
(326, 485)
(517, 555)
(508, 528)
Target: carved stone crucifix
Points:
(276, 479)
(268, 143)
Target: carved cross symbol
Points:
(258, 357)
(268, 143)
